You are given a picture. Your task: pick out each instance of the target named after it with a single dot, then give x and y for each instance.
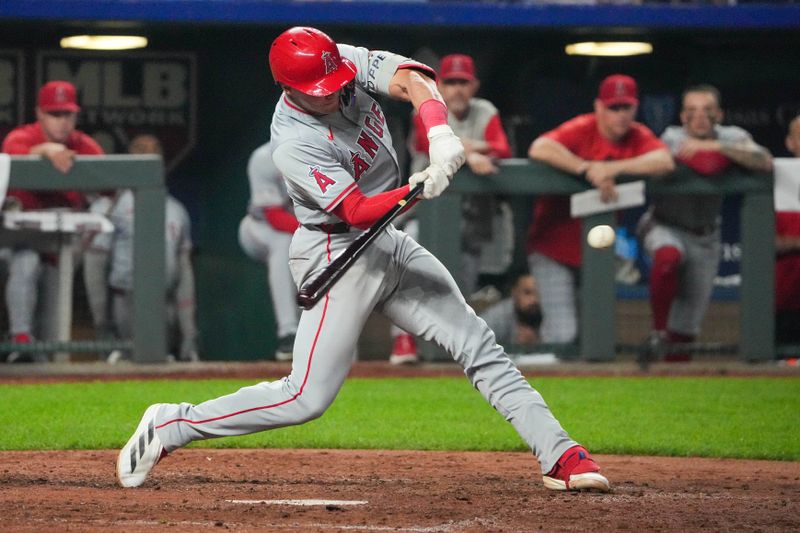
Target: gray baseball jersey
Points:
(177, 234)
(265, 244)
(693, 211)
(323, 158)
(267, 186)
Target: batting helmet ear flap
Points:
(308, 60)
(348, 94)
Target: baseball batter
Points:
(333, 147)
(265, 233)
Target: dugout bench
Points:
(440, 233)
(144, 174)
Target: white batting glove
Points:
(434, 181)
(446, 150)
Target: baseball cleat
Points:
(576, 470)
(142, 451)
(404, 351)
(403, 359)
(651, 349)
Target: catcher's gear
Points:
(308, 60)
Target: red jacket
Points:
(19, 141)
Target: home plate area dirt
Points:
(367, 490)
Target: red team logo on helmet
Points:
(294, 59)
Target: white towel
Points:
(589, 203)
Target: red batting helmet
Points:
(308, 60)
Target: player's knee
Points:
(666, 260)
(311, 411)
(25, 265)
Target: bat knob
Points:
(305, 299)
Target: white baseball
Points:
(601, 236)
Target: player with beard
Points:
(516, 319)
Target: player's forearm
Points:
(499, 149)
(557, 155)
(46, 148)
(655, 163)
(476, 146)
(410, 85)
(748, 154)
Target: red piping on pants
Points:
(284, 402)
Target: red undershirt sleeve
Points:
(362, 211)
(496, 138)
(281, 219)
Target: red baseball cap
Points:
(618, 89)
(457, 67)
(58, 96)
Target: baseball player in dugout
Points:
(108, 268)
(597, 147)
(787, 262)
(515, 320)
(265, 234)
(476, 122)
(487, 235)
(332, 145)
(681, 233)
(55, 137)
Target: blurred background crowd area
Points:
(203, 86)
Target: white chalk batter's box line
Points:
(303, 503)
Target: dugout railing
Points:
(440, 232)
(144, 174)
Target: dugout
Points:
(750, 52)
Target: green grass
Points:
(716, 417)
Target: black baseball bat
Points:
(309, 295)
